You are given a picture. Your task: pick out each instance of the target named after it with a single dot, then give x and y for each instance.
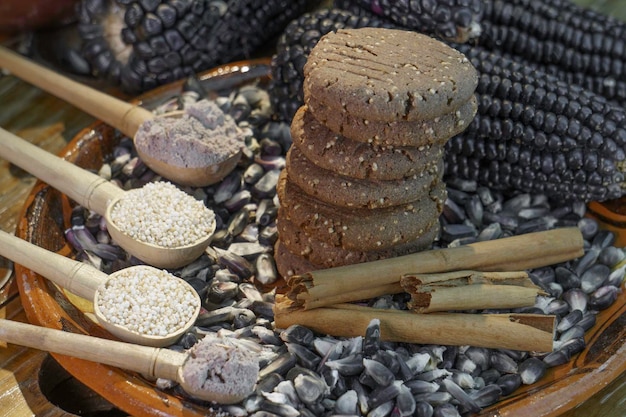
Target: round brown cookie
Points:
(288, 264)
(358, 159)
(388, 74)
(328, 256)
(360, 229)
(417, 134)
(343, 191)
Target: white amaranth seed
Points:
(161, 214)
(147, 301)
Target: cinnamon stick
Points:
(531, 332)
(468, 290)
(318, 288)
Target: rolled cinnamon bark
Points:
(531, 332)
(532, 250)
(470, 290)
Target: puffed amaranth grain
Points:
(358, 159)
(437, 130)
(348, 192)
(324, 255)
(360, 229)
(388, 74)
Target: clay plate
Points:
(612, 216)
(46, 214)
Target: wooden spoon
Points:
(152, 362)
(97, 194)
(125, 117)
(88, 282)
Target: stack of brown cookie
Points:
(363, 177)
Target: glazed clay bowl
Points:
(46, 214)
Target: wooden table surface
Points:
(50, 123)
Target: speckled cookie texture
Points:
(437, 130)
(324, 255)
(387, 74)
(345, 191)
(362, 181)
(358, 159)
(289, 264)
(360, 229)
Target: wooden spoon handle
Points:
(150, 361)
(77, 277)
(124, 116)
(82, 186)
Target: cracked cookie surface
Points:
(388, 74)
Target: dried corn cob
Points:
(574, 165)
(577, 43)
(493, 138)
(536, 133)
(505, 176)
(538, 102)
(532, 131)
(609, 87)
(555, 31)
(454, 20)
(247, 24)
(144, 43)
